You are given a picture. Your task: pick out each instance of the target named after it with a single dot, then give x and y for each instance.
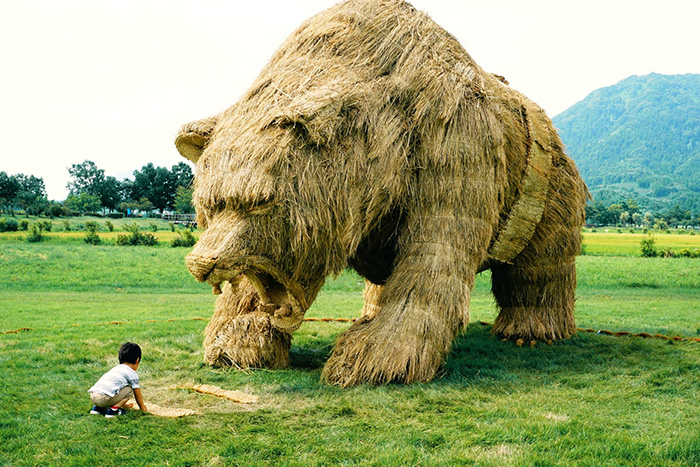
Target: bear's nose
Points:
(200, 265)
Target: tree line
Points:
(160, 188)
(628, 213)
(91, 191)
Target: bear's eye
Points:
(261, 205)
(216, 206)
(260, 208)
(250, 206)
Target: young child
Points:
(111, 393)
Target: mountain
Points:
(639, 139)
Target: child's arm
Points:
(139, 399)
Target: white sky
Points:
(113, 80)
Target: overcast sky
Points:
(112, 81)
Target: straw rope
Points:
(519, 342)
(527, 210)
(235, 396)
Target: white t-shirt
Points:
(115, 379)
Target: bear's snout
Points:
(200, 265)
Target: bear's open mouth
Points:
(270, 290)
(279, 298)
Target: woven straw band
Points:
(527, 210)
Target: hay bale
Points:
(156, 409)
(373, 140)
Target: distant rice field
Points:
(612, 243)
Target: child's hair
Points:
(129, 353)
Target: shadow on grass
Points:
(309, 358)
(478, 358)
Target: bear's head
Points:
(319, 157)
(287, 187)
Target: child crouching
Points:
(112, 391)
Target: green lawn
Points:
(590, 400)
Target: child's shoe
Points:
(113, 412)
(98, 410)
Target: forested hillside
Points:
(639, 140)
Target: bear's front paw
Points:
(369, 353)
(246, 341)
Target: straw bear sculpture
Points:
(372, 140)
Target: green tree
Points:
(86, 177)
(637, 219)
(110, 192)
(83, 202)
(596, 213)
(630, 206)
(9, 187)
(91, 236)
(183, 200)
(128, 207)
(126, 191)
(677, 216)
(145, 205)
(182, 174)
(614, 213)
(624, 217)
(156, 184)
(35, 233)
(661, 224)
(31, 195)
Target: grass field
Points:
(590, 400)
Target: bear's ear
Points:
(193, 138)
(318, 111)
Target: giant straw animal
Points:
(373, 140)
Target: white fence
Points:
(188, 220)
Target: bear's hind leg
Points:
(536, 301)
(240, 336)
(536, 294)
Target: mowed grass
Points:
(590, 400)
